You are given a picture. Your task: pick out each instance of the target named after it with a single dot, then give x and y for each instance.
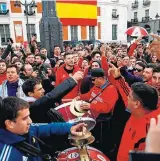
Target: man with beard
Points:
(65, 71)
(38, 66)
(2, 71)
(30, 58)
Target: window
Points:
(135, 15)
(4, 34)
(147, 13)
(114, 32)
(114, 12)
(74, 33)
(31, 28)
(91, 32)
(3, 7)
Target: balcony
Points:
(2, 12)
(135, 20)
(115, 16)
(146, 3)
(135, 5)
(145, 19)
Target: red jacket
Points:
(62, 75)
(136, 129)
(134, 135)
(104, 103)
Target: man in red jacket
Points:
(102, 97)
(64, 72)
(142, 102)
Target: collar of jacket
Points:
(8, 137)
(105, 84)
(30, 99)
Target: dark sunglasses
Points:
(93, 79)
(138, 70)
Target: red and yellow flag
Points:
(76, 12)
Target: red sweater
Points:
(62, 75)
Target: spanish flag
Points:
(76, 12)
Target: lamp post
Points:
(158, 17)
(28, 4)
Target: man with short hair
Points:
(96, 55)
(44, 52)
(148, 72)
(3, 68)
(56, 56)
(27, 72)
(43, 103)
(39, 59)
(65, 71)
(17, 131)
(142, 102)
(30, 58)
(13, 85)
(156, 79)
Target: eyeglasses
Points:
(138, 70)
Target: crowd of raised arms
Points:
(117, 85)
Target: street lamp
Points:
(158, 17)
(28, 4)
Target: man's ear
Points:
(137, 104)
(9, 124)
(30, 94)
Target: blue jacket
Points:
(130, 78)
(7, 139)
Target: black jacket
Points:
(140, 156)
(7, 51)
(39, 108)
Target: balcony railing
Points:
(115, 16)
(4, 12)
(135, 5)
(145, 19)
(146, 3)
(135, 20)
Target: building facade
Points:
(145, 13)
(113, 20)
(104, 20)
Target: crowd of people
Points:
(119, 84)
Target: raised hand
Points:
(153, 139)
(78, 76)
(115, 72)
(155, 45)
